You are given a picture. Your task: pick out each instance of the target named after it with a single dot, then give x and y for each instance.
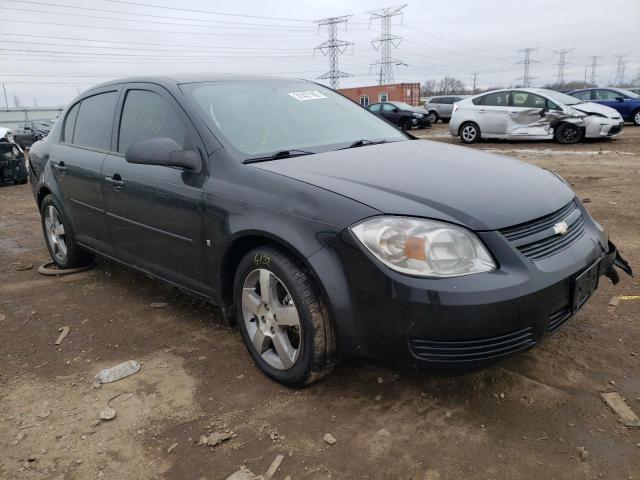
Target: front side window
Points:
(70, 123)
(147, 115)
(375, 107)
(497, 99)
(528, 100)
(387, 107)
(606, 95)
(95, 120)
(256, 118)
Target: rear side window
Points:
(447, 100)
(95, 119)
(498, 99)
(147, 115)
(435, 100)
(70, 123)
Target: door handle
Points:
(482, 111)
(116, 181)
(60, 166)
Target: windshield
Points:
(41, 124)
(561, 97)
(627, 93)
(261, 117)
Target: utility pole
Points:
(594, 65)
(333, 48)
(622, 64)
(527, 62)
(6, 102)
(475, 80)
(562, 63)
(386, 41)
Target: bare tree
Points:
(428, 88)
(450, 86)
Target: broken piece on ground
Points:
(64, 331)
(108, 375)
(329, 438)
(275, 465)
(616, 403)
(214, 439)
(244, 474)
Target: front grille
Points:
(537, 239)
(616, 129)
(558, 318)
(460, 351)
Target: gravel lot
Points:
(537, 416)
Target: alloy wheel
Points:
(636, 118)
(469, 133)
(570, 134)
(56, 235)
(271, 319)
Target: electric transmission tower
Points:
(386, 41)
(622, 65)
(527, 61)
(333, 48)
(562, 63)
(475, 81)
(594, 66)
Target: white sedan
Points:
(532, 114)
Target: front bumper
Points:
(466, 322)
(598, 127)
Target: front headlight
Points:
(418, 115)
(426, 248)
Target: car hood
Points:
(476, 189)
(591, 107)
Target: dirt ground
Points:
(536, 416)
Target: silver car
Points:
(532, 114)
(441, 108)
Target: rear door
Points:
(76, 163)
(155, 213)
(493, 112)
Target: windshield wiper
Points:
(278, 155)
(364, 142)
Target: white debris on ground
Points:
(125, 369)
(329, 438)
(616, 403)
(215, 438)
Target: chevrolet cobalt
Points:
(320, 229)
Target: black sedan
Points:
(401, 114)
(319, 229)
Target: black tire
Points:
(635, 117)
(75, 256)
(466, 135)
(568, 133)
(316, 337)
(433, 116)
(405, 124)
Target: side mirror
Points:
(165, 152)
(620, 99)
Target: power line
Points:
(527, 61)
(332, 48)
(386, 41)
(620, 68)
(562, 63)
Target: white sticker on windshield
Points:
(307, 95)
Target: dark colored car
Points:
(401, 114)
(12, 163)
(624, 101)
(30, 131)
(321, 230)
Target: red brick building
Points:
(397, 92)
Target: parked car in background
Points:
(532, 114)
(321, 230)
(441, 108)
(30, 131)
(12, 162)
(624, 101)
(402, 114)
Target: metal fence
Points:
(10, 117)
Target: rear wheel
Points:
(65, 252)
(568, 133)
(469, 132)
(284, 325)
(636, 117)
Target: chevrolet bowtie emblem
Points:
(560, 228)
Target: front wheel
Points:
(405, 124)
(65, 252)
(568, 133)
(284, 325)
(636, 117)
(469, 132)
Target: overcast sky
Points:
(53, 49)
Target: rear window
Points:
(94, 122)
(69, 124)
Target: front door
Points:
(613, 99)
(155, 213)
(76, 163)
